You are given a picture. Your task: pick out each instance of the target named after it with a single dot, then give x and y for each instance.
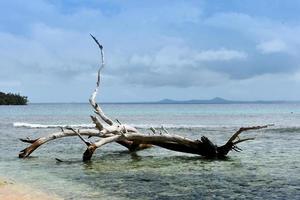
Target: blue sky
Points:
(239, 50)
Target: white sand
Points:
(14, 191)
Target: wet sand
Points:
(9, 190)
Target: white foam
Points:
(142, 126)
(30, 125)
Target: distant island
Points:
(219, 100)
(12, 99)
(216, 100)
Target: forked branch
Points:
(96, 107)
(132, 138)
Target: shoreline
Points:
(11, 190)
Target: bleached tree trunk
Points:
(109, 131)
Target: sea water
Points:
(268, 168)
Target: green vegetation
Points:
(12, 99)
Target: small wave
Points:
(30, 125)
(142, 126)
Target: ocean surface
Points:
(267, 168)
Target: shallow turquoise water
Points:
(268, 168)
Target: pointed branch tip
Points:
(94, 38)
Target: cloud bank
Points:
(161, 47)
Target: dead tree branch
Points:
(109, 131)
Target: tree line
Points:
(12, 99)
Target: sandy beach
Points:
(9, 190)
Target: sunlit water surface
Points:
(268, 168)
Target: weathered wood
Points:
(40, 141)
(109, 131)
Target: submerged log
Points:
(109, 131)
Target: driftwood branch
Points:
(42, 140)
(79, 135)
(109, 131)
(96, 107)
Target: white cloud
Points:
(47, 50)
(179, 66)
(272, 46)
(173, 44)
(220, 55)
(295, 77)
(141, 60)
(265, 34)
(183, 55)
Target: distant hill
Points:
(12, 99)
(216, 100)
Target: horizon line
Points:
(172, 101)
